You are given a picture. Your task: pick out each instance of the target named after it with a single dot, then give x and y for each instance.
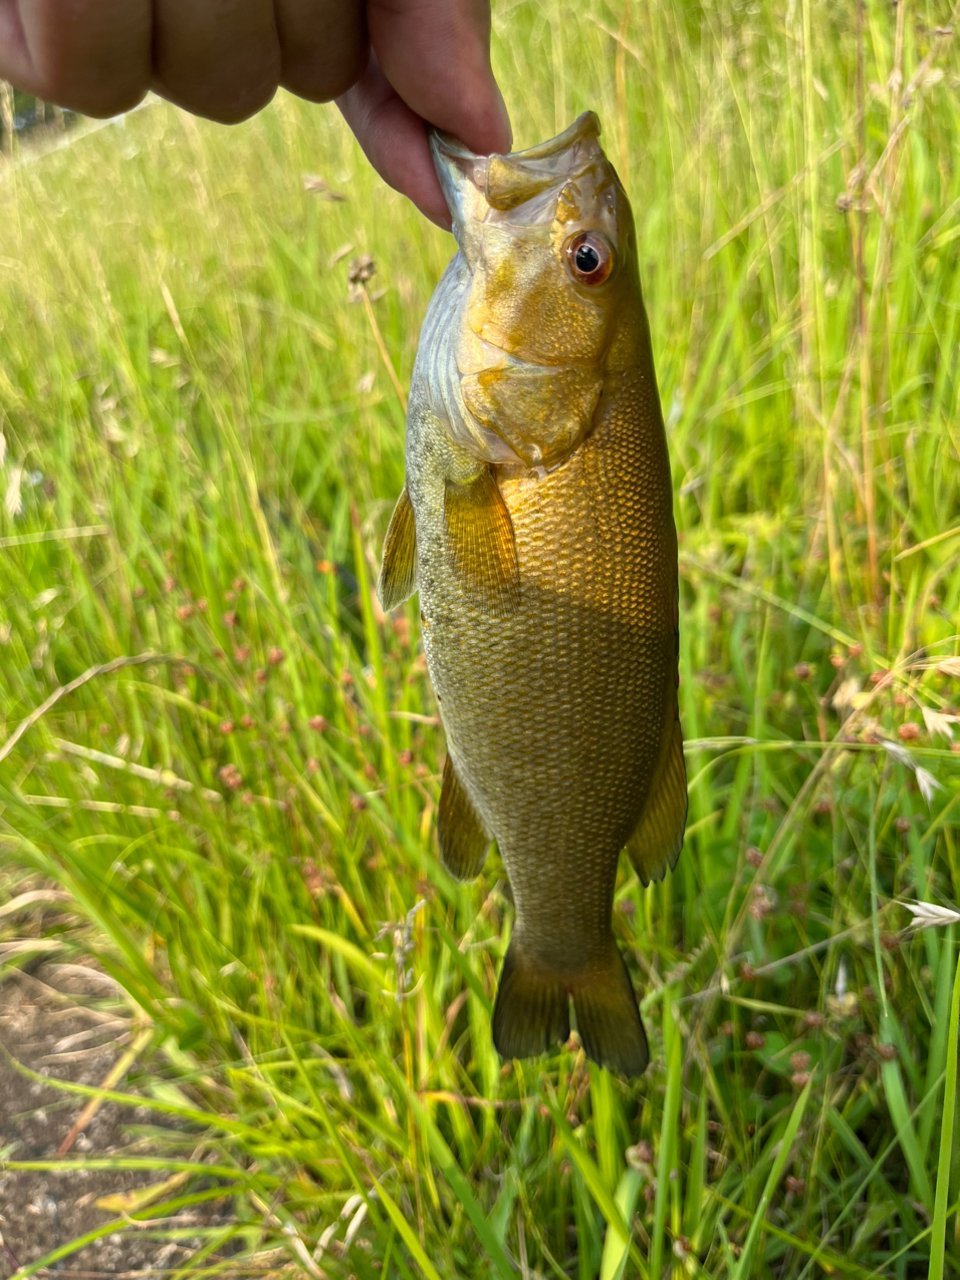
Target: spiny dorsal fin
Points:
(658, 836)
(480, 544)
(463, 841)
(398, 573)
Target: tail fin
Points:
(608, 1019)
(532, 1011)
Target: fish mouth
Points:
(477, 187)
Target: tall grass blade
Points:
(948, 1141)
(783, 1147)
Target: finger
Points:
(323, 46)
(89, 55)
(219, 59)
(16, 62)
(394, 140)
(436, 54)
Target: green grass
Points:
(210, 449)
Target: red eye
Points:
(589, 257)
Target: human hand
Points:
(392, 64)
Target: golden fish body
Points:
(537, 524)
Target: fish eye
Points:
(589, 257)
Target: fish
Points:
(536, 522)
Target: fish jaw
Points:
(491, 189)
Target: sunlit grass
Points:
(206, 447)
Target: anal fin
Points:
(481, 545)
(463, 840)
(398, 572)
(657, 838)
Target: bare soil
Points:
(49, 1024)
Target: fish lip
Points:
(463, 172)
(586, 125)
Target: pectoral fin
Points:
(480, 543)
(463, 841)
(398, 572)
(658, 836)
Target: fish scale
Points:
(548, 595)
(569, 743)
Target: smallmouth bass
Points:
(537, 524)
